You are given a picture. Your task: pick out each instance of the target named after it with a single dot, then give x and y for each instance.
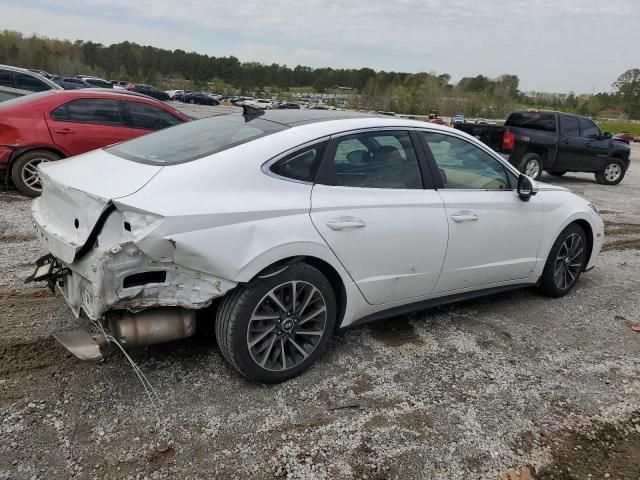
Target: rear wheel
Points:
(565, 262)
(531, 165)
(273, 329)
(24, 171)
(612, 173)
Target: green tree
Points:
(628, 87)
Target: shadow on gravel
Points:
(612, 449)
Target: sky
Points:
(552, 45)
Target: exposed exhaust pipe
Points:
(150, 326)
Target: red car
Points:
(56, 124)
(623, 137)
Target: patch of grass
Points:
(617, 127)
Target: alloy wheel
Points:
(612, 172)
(532, 169)
(30, 175)
(287, 325)
(569, 261)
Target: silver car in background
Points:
(17, 82)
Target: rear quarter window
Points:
(542, 121)
(302, 164)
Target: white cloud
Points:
(550, 44)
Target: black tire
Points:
(558, 174)
(550, 282)
(531, 162)
(612, 173)
(22, 171)
(238, 307)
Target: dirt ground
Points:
(515, 386)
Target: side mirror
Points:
(607, 136)
(527, 187)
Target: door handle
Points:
(464, 217)
(341, 223)
(64, 131)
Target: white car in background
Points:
(263, 103)
(172, 93)
(289, 224)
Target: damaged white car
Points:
(293, 223)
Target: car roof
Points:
(292, 118)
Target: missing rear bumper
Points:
(49, 270)
(81, 344)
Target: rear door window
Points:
(99, 111)
(29, 83)
(376, 160)
(570, 126)
(150, 117)
(534, 120)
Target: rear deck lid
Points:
(76, 192)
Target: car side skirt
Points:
(435, 302)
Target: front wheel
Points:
(565, 262)
(612, 173)
(272, 329)
(531, 165)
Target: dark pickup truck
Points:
(537, 141)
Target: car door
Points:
(596, 149)
(571, 145)
(144, 118)
(370, 205)
(85, 124)
(494, 236)
(7, 89)
(26, 84)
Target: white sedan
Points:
(282, 226)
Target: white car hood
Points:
(75, 193)
(548, 186)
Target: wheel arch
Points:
(588, 230)
(328, 270)
(21, 151)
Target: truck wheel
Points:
(24, 171)
(274, 328)
(558, 174)
(612, 173)
(531, 165)
(565, 262)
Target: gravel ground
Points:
(515, 386)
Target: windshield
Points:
(193, 140)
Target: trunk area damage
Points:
(112, 269)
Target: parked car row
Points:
(199, 98)
(51, 125)
(536, 141)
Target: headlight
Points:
(594, 208)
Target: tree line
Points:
(411, 93)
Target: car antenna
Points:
(250, 112)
